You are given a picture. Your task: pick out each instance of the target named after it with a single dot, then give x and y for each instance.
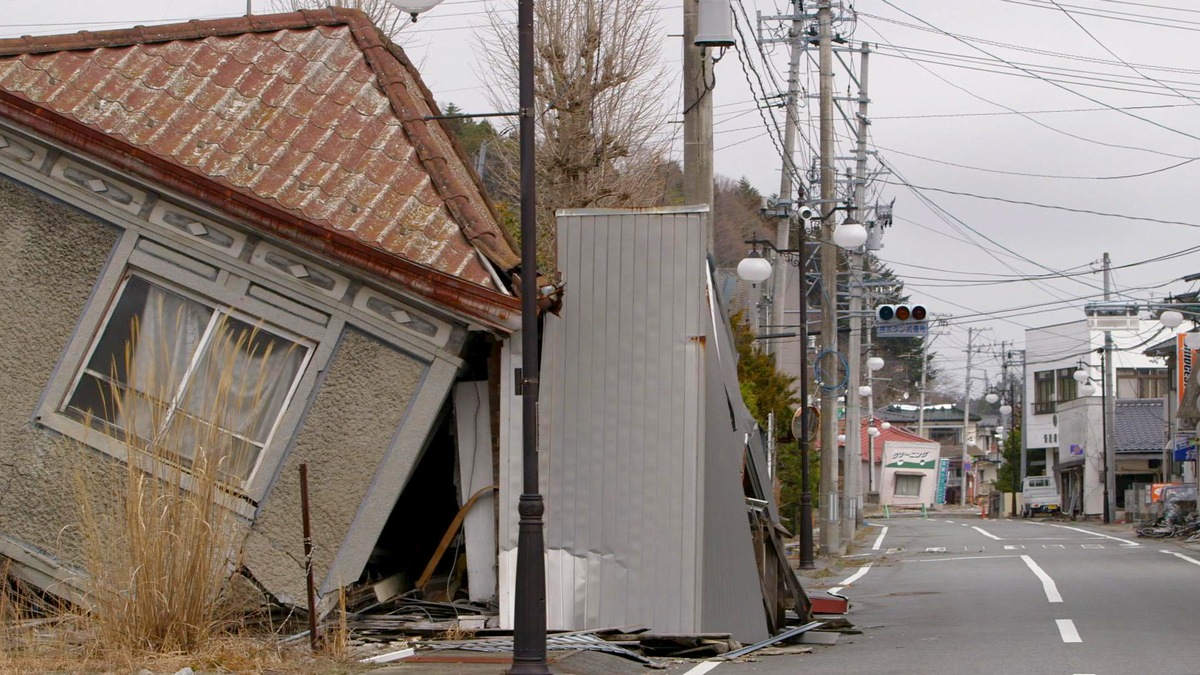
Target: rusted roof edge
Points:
(490, 308)
(190, 30)
(384, 57)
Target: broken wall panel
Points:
(472, 415)
(624, 446)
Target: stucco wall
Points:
(345, 434)
(51, 256)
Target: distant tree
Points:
(601, 130)
(1008, 475)
(382, 13)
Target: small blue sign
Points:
(1185, 449)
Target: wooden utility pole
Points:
(1109, 399)
(854, 491)
(697, 116)
(830, 529)
(966, 457)
(783, 226)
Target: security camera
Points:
(806, 212)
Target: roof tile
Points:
(302, 111)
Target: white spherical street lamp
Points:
(1170, 318)
(841, 439)
(864, 391)
(885, 426)
(1192, 340)
(414, 7)
(754, 268)
(850, 234)
(872, 432)
(992, 397)
(874, 364)
(1086, 389)
(1081, 376)
(1006, 409)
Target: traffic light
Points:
(900, 313)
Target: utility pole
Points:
(784, 225)
(962, 497)
(830, 539)
(921, 394)
(853, 452)
(697, 116)
(1110, 395)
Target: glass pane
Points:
(241, 384)
(150, 337)
(226, 455)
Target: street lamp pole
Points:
(529, 618)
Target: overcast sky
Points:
(1000, 101)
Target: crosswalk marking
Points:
(936, 549)
(1013, 547)
(1092, 545)
(1054, 546)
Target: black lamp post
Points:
(755, 269)
(529, 619)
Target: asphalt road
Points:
(965, 595)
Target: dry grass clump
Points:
(158, 532)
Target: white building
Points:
(1064, 435)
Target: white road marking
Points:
(1182, 557)
(1014, 547)
(1092, 545)
(702, 668)
(1066, 628)
(985, 533)
(950, 521)
(936, 549)
(879, 540)
(857, 555)
(1047, 583)
(1054, 546)
(1131, 544)
(966, 557)
(856, 576)
(834, 591)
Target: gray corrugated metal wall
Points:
(629, 383)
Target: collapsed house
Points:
(288, 172)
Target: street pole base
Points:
(529, 669)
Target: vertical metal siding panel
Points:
(639, 426)
(510, 475)
(624, 542)
(570, 486)
(591, 410)
(659, 455)
(693, 421)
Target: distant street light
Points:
(414, 7)
(885, 426)
(874, 364)
(1170, 318)
(992, 397)
(864, 391)
(872, 431)
(1006, 410)
(1081, 376)
(850, 234)
(754, 268)
(1087, 389)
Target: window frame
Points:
(1065, 386)
(218, 310)
(908, 478)
(1044, 396)
(225, 287)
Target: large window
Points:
(1043, 392)
(1068, 388)
(908, 485)
(178, 376)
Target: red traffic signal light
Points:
(918, 313)
(902, 313)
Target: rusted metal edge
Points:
(490, 308)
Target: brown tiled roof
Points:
(309, 124)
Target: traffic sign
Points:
(900, 330)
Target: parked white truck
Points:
(1039, 494)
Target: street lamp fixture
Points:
(874, 364)
(1081, 376)
(841, 439)
(414, 7)
(1086, 389)
(1191, 340)
(872, 431)
(752, 271)
(1170, 318)
(992, 397)
(864, 391)
(850, 234)
(885, 426)
(1006, 409)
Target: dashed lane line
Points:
(1048, 584)
(985, 533)
(1066, 628)
(702, 668)
(961, 557)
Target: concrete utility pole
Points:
(830, 531)
(784, 225)
(1110, 399)
(921, 393)
(962, 498)
(854, 491)
(697, 116)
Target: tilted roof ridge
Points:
(386, 60)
